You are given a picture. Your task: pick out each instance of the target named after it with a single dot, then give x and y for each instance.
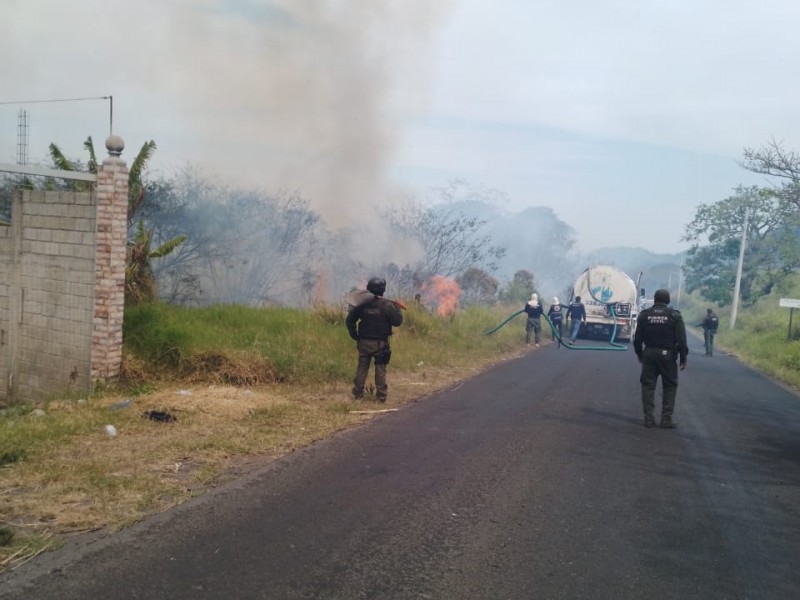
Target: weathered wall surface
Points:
(62, 286)
(50, 291)
(5, 276)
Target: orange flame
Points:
(444, 292)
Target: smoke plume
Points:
(303, 95)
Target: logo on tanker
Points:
(602, 293)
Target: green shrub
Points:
(11, 456)
(792, 361)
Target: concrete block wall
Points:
(53, 293)
(62, 286)
(5, 290)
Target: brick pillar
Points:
(112, 233)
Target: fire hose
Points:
(612, 344)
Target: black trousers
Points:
(659, 362)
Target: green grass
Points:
(268, 345)
(761, 336)
(24, 431)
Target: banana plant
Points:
(140, 284)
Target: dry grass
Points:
(88, 480)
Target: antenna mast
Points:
(22, 137)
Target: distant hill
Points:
(535, 239)
(657, 270)
(631, 259)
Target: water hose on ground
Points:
(491, 331)
(612, 344)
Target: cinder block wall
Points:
(62, 286)
(5, 277)
(54, 292)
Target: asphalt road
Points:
(535, 480)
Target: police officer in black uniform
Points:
(661, 330)
(370, 324)
(710, 325)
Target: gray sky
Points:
(622, 116)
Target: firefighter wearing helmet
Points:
(370, 324)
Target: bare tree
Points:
(244, 246)
(774, 160)
(450, 241)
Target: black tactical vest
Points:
(374, 321)
(659, 327)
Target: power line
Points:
(56, 100)
(109, 98)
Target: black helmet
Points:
(377, 286)
(661, 297)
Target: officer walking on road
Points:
(660, 345)
(370, 324)
(710, 325)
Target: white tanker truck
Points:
(611, 299)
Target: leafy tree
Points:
(519, 290)
(772, 246)
(477, 286)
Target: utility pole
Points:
(736, 288)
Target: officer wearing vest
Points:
(660, 345)
(556, 316)
(710, 325)
(370, 324)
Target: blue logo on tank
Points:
(603, 293)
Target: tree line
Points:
(767, 218)
(194, 240)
